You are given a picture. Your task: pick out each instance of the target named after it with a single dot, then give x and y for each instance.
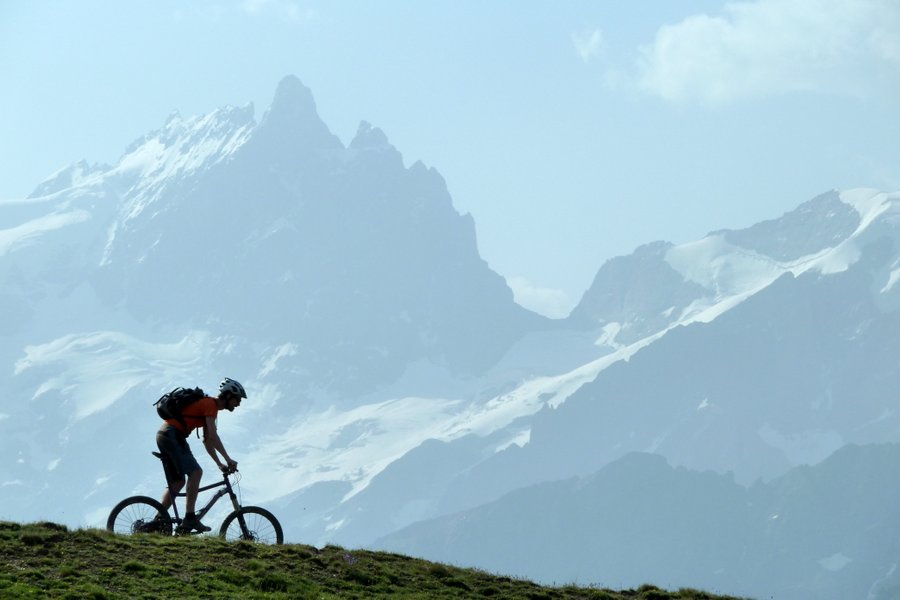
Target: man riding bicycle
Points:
(179, 461)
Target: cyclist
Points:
(179, 460)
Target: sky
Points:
(572, 131)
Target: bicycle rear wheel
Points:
(139, 514)
(259, 525)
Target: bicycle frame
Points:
(228, 490)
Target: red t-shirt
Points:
(195, 415)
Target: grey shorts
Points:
(179, 460)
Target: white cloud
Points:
(588, 44)
(766, 47)
(549, 302)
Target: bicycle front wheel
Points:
(139, 514)
(252, 524)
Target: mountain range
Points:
(399, 396)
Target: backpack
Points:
(170, 405)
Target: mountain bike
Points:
(142, 514)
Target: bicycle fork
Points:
(245, 531)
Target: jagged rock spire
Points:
(293, 122)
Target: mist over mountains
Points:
(400, 395)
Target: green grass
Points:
(45, 560)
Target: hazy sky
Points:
(573, 131)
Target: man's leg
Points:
(191, 522)
(193, 488)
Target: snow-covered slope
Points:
(661, 285)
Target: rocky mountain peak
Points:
(292, 126)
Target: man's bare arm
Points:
(213, 444)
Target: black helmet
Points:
(232, 387)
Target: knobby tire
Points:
(262, 526)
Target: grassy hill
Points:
(45, 560)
